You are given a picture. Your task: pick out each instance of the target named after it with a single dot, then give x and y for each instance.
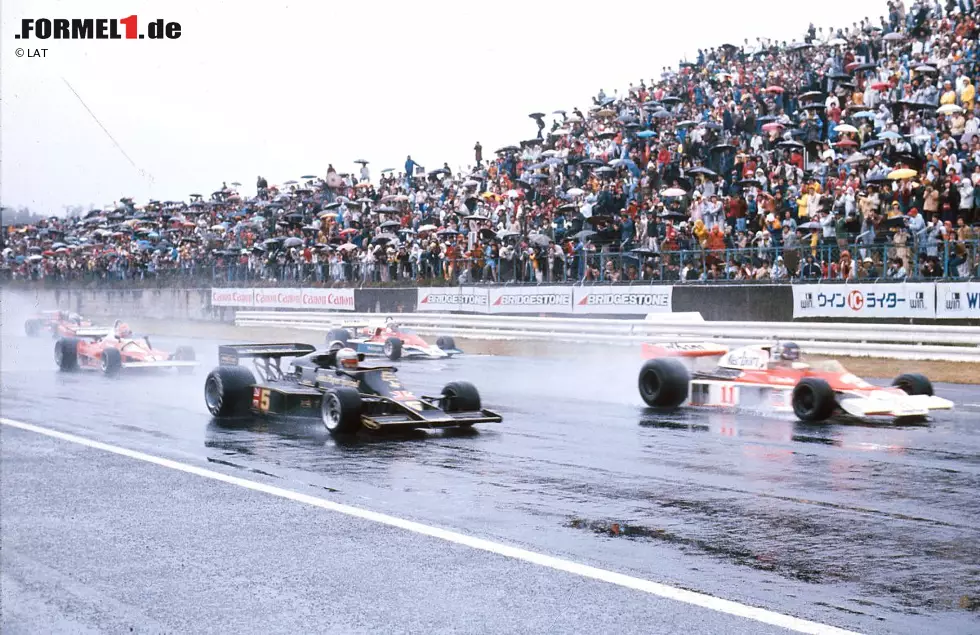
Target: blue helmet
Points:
(790, 352)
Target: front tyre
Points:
(393, 348)
(66, 354)
(340, 410)
(111, 362)
(914, 384)
(338, 335)
(446, 343)
(185, 354)
(227, 391)
(460, 396)
(664, 383)
(813, 400)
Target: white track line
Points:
(639, 584)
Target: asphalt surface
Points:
(870, 528)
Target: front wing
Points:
(886, 403)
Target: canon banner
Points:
(453, 299)
(273, 298)
(232, 297)
(865, 300)
(632, 300)
(530, 300)
(958, 300)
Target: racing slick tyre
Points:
(340, 410)
(227, 390)
(32, 328)
(446, 343)
(914, 384)
(185, 354)
(813, 400)
(66, 354)
(664, 383)
(111, 361)
(460, 396)
(337, 335)
(393, 348)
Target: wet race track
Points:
(867, 528)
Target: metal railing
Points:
(952, 343)
(801, 263)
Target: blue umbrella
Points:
(646, 134)
(866, 114)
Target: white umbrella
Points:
(837, 41)
(857, 157)
(845, 127)
(948, 109)
(428, 228)
(347, 246)
(513, 193)
(575, 191)
(893, 37)
(470, 183)
(673, 191)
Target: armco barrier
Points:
(952, 343)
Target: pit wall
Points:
(919, 302)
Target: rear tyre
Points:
(185, 354)
(337, 335)
(460, 396)
(664, 383)
(228, 391)
(66, 354)
(446, 343)
(340, 410)
(813, 400)
(32, 328)
(111, 361)
(914, 384)
(393, 348)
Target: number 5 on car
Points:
(260, 398)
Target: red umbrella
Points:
(881, 85)
(775, 89)
(47, 252)
(846, 143)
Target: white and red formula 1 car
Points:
(392, 340)
(774, 377)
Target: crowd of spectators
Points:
(852, 153)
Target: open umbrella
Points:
(948, 109)
(671, 192)
(845, 127)
(902, 173)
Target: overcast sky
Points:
(282, 89)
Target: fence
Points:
(952, 343)
(925, 261)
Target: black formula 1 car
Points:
(346, 400)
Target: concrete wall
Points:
(176, 304)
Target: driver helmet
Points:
(123, 330)
(790, 352)
(347, 359)
(74, 317)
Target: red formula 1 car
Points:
(58, 323)
(774, 377)
(114, 350)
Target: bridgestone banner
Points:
(634, 300)
(865, 300)
(453, 299)
(531, 300)
(275, 298)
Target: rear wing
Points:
(229, 354)
(94, 332)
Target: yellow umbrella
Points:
(904, 173)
